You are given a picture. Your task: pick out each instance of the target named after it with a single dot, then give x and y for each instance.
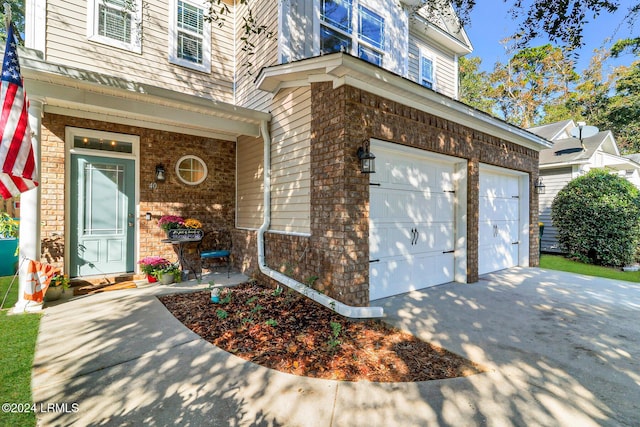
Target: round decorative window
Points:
(191, 170)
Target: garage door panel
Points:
(499, 209)
(436, 237)
(389, 277)
(390, 240)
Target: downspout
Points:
(332, 304)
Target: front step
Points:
(92, 284)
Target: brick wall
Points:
(338, 249)
(212, 202)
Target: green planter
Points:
(8, 257)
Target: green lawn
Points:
(558, 262)
(17, 342)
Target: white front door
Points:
(411, 222)
(499, 227)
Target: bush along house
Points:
(334, 152)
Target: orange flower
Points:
(192, 223)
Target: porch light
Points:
(160, 173)
(367, 159)
(540, 187)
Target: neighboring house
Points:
(268, 148)
(567, 159)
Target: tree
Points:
(475, 87)
(622, 115)
(587, 100)
(17, 15)
(598, 218)
(533, 78)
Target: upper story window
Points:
(427, 71)
(360, 33)
(190, 35)
(116, 23)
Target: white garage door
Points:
(499, 232)
(412, 222)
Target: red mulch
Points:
(293, 334)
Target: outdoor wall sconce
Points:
(540, 187)
(160, 173)
(367, 159)
(148, 216)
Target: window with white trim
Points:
(191, 170)
(427, 71)
(189, 35)
(117, 23)
(358, 31)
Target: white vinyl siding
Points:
(444, 64)
(265, 53)
(250, 183)
(188, 47)
(290, 161)
(116, 23)
(554, 181)
(67, 45)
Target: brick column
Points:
(473, 218)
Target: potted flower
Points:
(149, 265)
(168, 273)
(192, 223)
(171, 222)
(57, 286)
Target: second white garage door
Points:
(500, 238)
(412, 221)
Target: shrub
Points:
(597, 217)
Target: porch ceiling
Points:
(79, 93)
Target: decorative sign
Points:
(185, 234)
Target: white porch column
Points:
(30, 244)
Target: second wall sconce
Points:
(367, 159)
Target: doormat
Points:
(94, 289)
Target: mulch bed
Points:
(285, 331)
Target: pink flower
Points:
(169, 222)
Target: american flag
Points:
(16, 152)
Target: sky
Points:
(491, 22)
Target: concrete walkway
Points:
(563, 350)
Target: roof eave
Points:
(342, 69)
(70, 90)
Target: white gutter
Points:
(332, 304)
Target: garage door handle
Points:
(448, 252)
(515, 243)
(374, 260)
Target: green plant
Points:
(311, 280)
(171, 268)
(222, 314)
(148, 265)
(333, 341)
(60, 280)
(8, 226)
(271, 322)
(277, 291)
(227, 298)
(597, 217)
(170, 222)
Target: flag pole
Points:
(7, 16)
(20, 160)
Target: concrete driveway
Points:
(562, 349)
